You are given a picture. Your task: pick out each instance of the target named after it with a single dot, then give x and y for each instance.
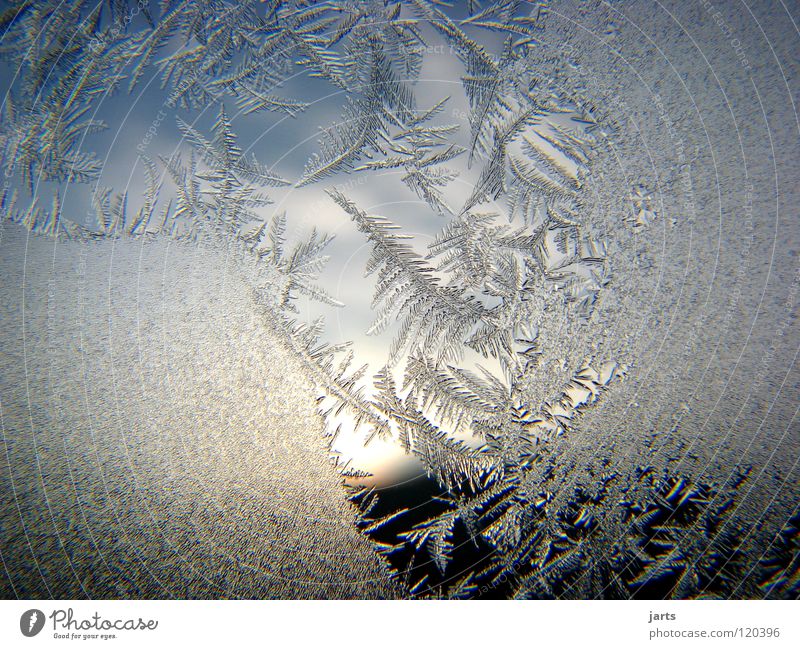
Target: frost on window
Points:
(380, 299)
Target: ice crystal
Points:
(556, 441)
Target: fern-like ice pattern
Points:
(481, 385)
